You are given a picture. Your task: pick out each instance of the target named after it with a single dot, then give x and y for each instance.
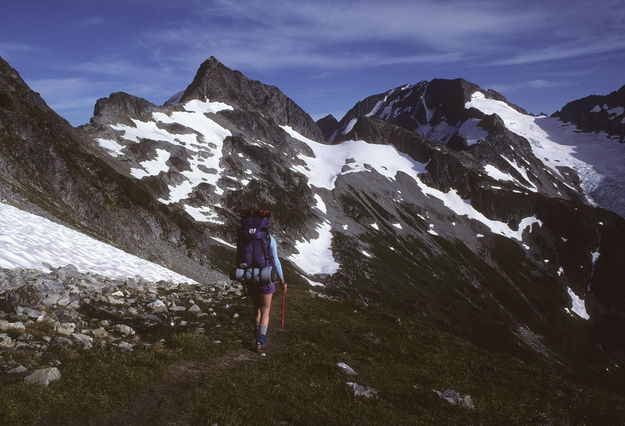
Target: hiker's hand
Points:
(284, 286)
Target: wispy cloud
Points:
(279, 33)
(328, 41)
(90, 22)
(15, 47)
(571, 49)
(529, 84)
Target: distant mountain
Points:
(597, 113)
(438, 199)
(328, 125)
(435, 110)
(460, 115)
(218, 83)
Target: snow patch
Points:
(219, 240)
(29, 241)
(315, 256)
(595, 256)
(523, 172)
(472, 132)
(153, 167)
(203, 214)
(320, 204)
(578, 304)
(497, 174)
(114, 149)
(313, 283)
(349, 126)
(323, 170)
(440, 132)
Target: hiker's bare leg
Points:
(256, 300)
(265, 307)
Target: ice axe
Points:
(284, 287)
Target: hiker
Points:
(257, 262)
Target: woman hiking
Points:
(257, 259)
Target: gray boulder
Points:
(364, 391)
(44, 376)
(456, 398)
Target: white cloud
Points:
(528, 84)
(569, 49)
(15, 47)
(279, 33)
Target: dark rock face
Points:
(215, 82)
(119, 106)
(597, 113)
(328, 125)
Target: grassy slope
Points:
(301, 384)
(404, 359)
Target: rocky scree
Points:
(44, 313)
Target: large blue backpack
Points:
(254, 260)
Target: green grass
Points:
(102, 380)
(405, 360)
(96, 382)
(401, 357)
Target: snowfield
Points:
(29, 241)
(327, 165)
(315, 256)
(596, 157)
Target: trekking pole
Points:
(283, 302)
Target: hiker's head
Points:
(255, 213)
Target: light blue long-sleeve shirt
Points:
(273, 246)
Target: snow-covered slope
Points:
(33, 242)
(598, 158)
(199, 149)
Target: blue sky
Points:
(325, 55)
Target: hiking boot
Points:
(261, 342)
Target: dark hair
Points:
(255, 213)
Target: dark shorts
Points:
(254, 289)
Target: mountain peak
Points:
(434, 109)
(328, 125)
(216, 82)
(120, 105)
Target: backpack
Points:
(254, 261)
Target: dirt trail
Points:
(169, 401)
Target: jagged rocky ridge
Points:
(386, 214)
(597, 113)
